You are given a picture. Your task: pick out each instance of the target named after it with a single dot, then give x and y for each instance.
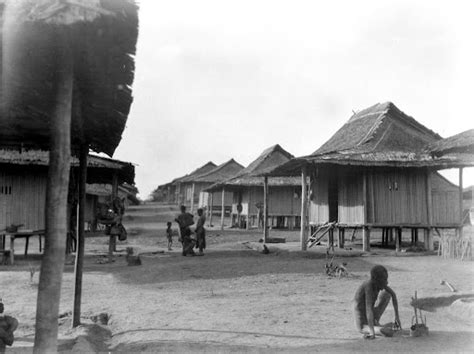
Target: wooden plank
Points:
(304, 210)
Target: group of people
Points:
(188, 239)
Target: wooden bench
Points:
(21, 234)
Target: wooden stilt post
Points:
(76, 314)
(398, 240)
(211, 207)
(112, 238)
(460, 204)
(265, 209)
(365, 229)
(192, 197)
(304, 210)
(429, 209)
(52, 264)
(222, 208)
(341, 237)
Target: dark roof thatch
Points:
(99, 169)
(219, 173)
(459, 143)
(380, 135)
(102, 36)
(197, 172)
(382, 127)
(250, 176)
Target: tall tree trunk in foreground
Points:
(49, 290)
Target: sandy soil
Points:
(234, 299)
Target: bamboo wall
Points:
(394, 197)
(22, 199)
(282, 201)
(205, 199)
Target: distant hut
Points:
(213, 201)
(184, 186)
(374, 172)
(284, 201)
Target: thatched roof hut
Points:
(375, 172)
(180, 183)
(248, 191)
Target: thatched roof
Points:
(99, 169)
(380, 128)
(197, 172)
(459, 143)
(219, 173)
(250, 176)
(102, 37)
(380, 135)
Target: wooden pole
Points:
(112, 238)
(265, 209)
(460, 203)
(398, 239)
(365, 229)
(76, 314)
(211, 206)
(429, 208)
(304, 210)
(222, 208)
(192, 197)
(52, 265)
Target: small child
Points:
(169, 235)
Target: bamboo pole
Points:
(52, 265)
(265, 209)
(211, 197)
(304, 210)
(112, 238)
(365, 230)
(428, 237)
(222, 208)
(78, 267)
(192, 197)
(460, 203)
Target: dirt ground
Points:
(234, 298)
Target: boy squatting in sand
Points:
(371, 300)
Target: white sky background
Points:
(226, 79)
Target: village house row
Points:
(378, 171)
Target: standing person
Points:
(371, 300)
(8, 325)
(169, 235)
(185, 220)
(201, 232)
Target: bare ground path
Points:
(235, 299)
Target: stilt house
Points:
(284, 203)
(184, 185)
(212, 202)
(375, 173)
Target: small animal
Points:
(6, 257)
(132, 260)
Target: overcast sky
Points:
(226, 79)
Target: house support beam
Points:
(461, 221)
(112, 238)
(366, 239)
(365, 229)
(192, 197)
(304, 210)
(265, 209)
(429, 208)
(211, 207)
(78, 266)
(222, 208)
